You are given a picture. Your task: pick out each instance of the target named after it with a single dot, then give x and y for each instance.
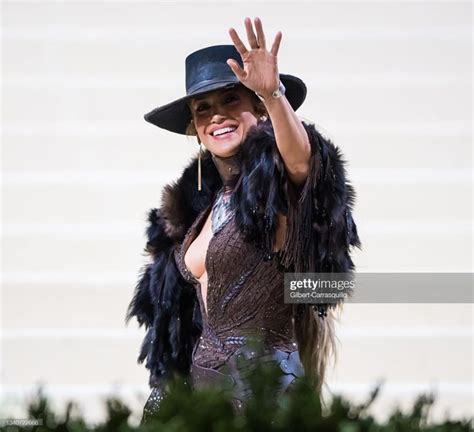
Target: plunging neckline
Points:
(193, 233)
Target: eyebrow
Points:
(201, 97)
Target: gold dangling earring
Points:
(199, 166)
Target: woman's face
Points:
(222, 119)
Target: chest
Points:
(196, 253)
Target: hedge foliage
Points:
(186, 409)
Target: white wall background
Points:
(389, 82)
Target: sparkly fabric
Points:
(245, 289)
(244, 296)
(231, 376)
(153, 403)
(220, 211)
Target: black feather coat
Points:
(320, 233)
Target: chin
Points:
(225, 149)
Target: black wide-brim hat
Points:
(207, 70)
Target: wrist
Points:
(267, 97)
(272, 104)
(264, 96)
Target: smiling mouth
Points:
(224, 132)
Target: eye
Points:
(202, 107)
(231, 97)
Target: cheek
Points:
(248, 120)
(200, 131)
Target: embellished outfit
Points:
(245, 277)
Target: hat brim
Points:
(176, 115)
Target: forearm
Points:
(291, 138)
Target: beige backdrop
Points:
(389, 82)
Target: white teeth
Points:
(223, 131)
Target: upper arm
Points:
(298, 175)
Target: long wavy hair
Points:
(315, 335)
(317, 343)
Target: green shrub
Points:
(185, 409)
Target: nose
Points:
(218, 113)
(217, 118)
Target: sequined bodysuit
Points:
(244, 295)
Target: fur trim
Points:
(164, 303)
(321, 228)
(320, 232)
(182, 202)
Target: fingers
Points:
(250, 34)
(252, 38)
(239, 45)
(260, 34)
(276, 44)
(238, 71)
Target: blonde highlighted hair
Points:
(317, 343)
(315, 335)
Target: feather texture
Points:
(320, 232)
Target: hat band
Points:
(211, 84)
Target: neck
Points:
(228, 168)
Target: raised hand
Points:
(260, 72)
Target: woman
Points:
(271, 197)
